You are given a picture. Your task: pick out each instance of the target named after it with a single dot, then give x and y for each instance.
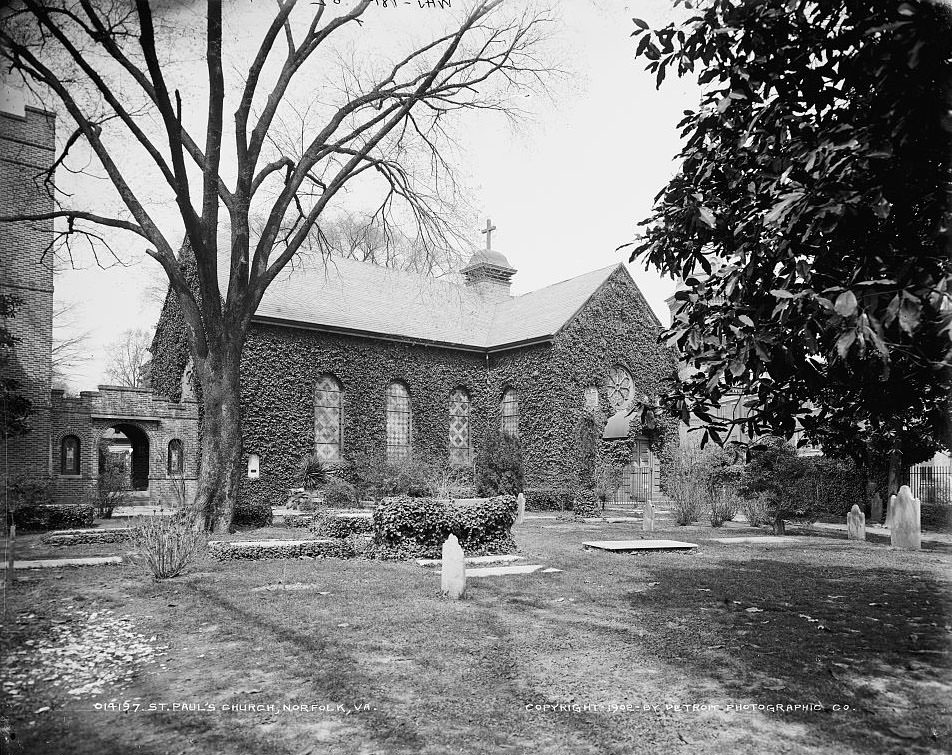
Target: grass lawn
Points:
(854, 625)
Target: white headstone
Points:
(890, 508)
(520, 508)
(856, 524)
(453, 578)
(876, 509)
(905, 521)
(647, 521)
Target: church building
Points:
(351, 359)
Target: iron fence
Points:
(930, 484)
(635, 487)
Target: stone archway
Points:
(131, 441)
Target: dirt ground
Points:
(817, 647)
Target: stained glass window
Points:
(176, 460)
(620, 387)
(461, 449)
(399, 423)
(328, 417)
(510, 412)
(69, 455)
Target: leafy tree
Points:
(809, 220)
(378, 126)
(499, 469)
(15, 408)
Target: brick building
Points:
(66, 433)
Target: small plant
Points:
(724, 505)
(312, 471)
(339, 493)
(755, 510)
(168, 544)
(112, 488)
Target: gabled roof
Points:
(357, 297)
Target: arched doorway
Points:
(128, 444)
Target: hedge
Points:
(340, 524)
(238, 550)
(80, 537)
(836, 484)
(60, 516)
(548, 499)
(253, 515)
(417, 527)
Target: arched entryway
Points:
(639, 479)
(129, 444)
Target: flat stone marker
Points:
(520, 508)
(876, 509)
(761, 539)
(647, 522)
(453, 574)
(611, 519)
(502, 571)
(906, 526)
(473, 560)
(626, 546)
(856, 524)
(52, 563)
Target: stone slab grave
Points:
(473, 561)
(788, 540)
(611, 519)
(630, 546)
(52, 563)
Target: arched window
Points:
(461, 448)
(176, 461)
(620, 387)
(399, 423)
(328, 417)
(510, 413)
(69, 455)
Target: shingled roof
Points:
(356, 297)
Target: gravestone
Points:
(856, 524)
(647, 522)
(890, 508)
(453, 577)
(905, 528)
(520, 508)
(876, 509)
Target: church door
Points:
(639, 480)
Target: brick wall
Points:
(26, 148)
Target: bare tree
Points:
(70, 346)
(382, 119)
(126, 357)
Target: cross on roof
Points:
(488, 230)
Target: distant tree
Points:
(70, 343)
(810, 221)
(126, 357)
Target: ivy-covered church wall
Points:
(280, 366)
(615, 327)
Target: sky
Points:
(565, 187)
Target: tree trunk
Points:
(779, 527)
(218, 375)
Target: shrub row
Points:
(548, 499)
(80, 537)
(417, 527)
(298, 520)
(65, 516)
(340, 525)
(253, 515)
(225, 550)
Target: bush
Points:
(781, 479)
(835, 484)
(376, 478)
(112, 488)
(339, 493)
(340, 525)
(312, 471)
(296, 497)
(417, 527)
(169, 545)
(548, 499)
(254, 515)
(585, 504)
(755, 510)
(499, 468)
(236, 550)
(685, 487)
(61, 516)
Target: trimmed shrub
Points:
(167, 544)
(499, 469)
(60, 516)
(548, 499)
(112, 487)
(253, 515)
(417, 527)
(327, 524)
(236, 550)
(81, 537)
(339, 493)
(836, 484)
(586, 504)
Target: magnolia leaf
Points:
(781, 293)
(844, 342)
(909, 312)
(746, 320)
(706, 216)
(845, 304)
(640, 23)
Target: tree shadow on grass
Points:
(871, 638)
